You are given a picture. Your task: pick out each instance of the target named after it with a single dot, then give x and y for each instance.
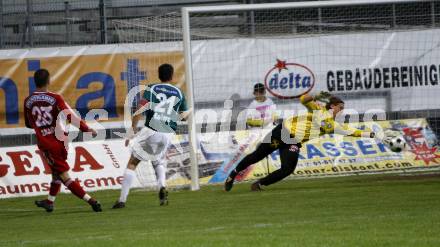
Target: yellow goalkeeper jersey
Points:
(316, 122)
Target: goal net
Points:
(148, 43)
(381, 58)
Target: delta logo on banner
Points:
(289, 80)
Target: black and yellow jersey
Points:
(317, 121)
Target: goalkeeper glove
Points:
(322, 96)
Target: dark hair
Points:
(166, 72)
(333, 100)
(41, 77)
(259, 87)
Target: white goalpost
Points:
(192, 135)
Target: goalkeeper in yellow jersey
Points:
(288, 136)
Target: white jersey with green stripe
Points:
(166, 103)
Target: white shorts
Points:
(149, 145)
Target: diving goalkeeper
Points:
(288, 136)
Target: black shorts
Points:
(280, 137)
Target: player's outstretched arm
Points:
(366, 134)
(72, 117)
(321, 96)
(143, 106)
(134, 123)
(309, 101)
(137, 116)
(344, 129)
(305, 98)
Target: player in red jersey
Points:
(42, 110)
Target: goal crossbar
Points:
(268, 6)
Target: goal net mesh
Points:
(376, 57)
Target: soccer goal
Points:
(380, 56)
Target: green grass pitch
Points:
(379, 210)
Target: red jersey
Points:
(41, 111)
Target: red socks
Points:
(55, 187)
(75, 188)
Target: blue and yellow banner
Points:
(332, 154)
(94, 77)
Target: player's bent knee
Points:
(64, 176)
(55, 176)
(288, 170)
(131, 166)
(133, 163)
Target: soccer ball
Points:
(396, 144)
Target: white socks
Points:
(161, 175)
(51, 198)
(129, 175)
(86, 197)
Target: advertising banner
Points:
(88, 77)
(403, 63)
(96, 165)
(338, 155)
(99, 165)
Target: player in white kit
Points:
(165, 104)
